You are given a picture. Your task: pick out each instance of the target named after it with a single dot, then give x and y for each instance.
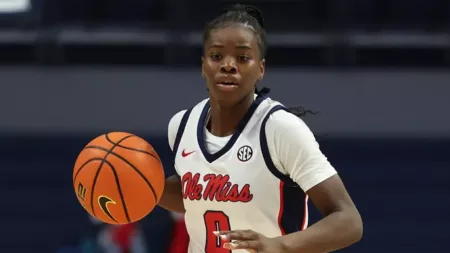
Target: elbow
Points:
(356, 231)
(350, 222)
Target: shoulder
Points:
(284, 123)
(174, 124)
(175, 121)
(294, 150)
(281, 119)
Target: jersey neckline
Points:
(241, 126)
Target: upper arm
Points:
(295, 150)
(298, 155)
(174, 124)
(331, 196)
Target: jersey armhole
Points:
(265, 149)
(180, 131)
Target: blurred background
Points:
(377, 71)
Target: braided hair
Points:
(247, 15)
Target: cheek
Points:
(209, 68)
(211, 65)
(252, 74)
(209, 78)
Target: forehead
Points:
(234, 35)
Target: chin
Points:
(228, 99)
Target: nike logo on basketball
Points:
(184, 154)
(103, 202)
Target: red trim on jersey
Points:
(305, 214)
(280, 213)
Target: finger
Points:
(239, 235)
(248, 245)
(221, 232)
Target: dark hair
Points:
(247, 15)
(297, 111)
(251, 17)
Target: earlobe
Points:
(263, 67)
(260, 78)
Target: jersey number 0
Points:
(215, 221)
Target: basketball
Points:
(118, 178)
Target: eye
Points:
(216, 57)
(243, 58)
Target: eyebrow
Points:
(238, 46)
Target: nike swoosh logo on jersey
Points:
(184, 154)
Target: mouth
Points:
(227, 85)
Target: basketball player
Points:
(245, 164)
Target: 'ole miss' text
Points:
(217, 188)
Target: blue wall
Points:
(351, 103)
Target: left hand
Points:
(249, 240)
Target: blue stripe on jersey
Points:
(201, 130)
(294, 209)
(265, 149)
(181, 131)
(292, 196)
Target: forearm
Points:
(172, 198)
(336, 231)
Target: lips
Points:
(227, 86)
(228, 83)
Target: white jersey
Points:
(238, 183)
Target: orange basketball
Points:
(118, 178)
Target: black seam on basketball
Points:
(93, 184)
(132, 166)
(96, 175)
(113, 169)
(140, 151)
(133, 149)
(84, 164)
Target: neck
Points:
(225, 119)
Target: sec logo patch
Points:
(244, 153)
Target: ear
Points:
(262, 69)
(203, 66)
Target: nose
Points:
(228, 66)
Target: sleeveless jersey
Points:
(237, 187)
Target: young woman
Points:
(245, 164)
